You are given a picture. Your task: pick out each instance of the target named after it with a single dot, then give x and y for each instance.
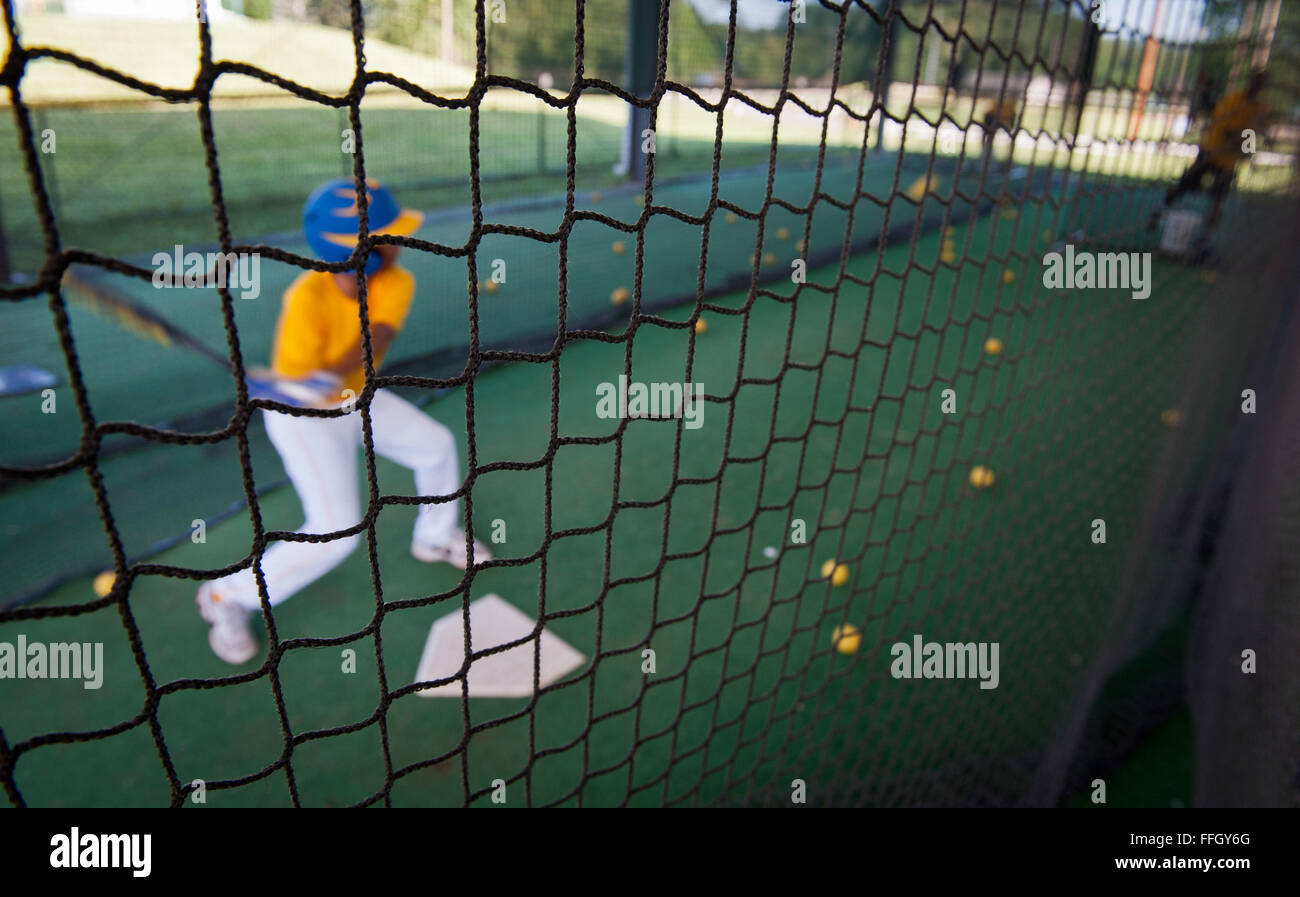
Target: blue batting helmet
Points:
(332, 223)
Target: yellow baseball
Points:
(838, 574)
(103, 583)
(846, 638)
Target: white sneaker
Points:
(230, 637)
(452, 553)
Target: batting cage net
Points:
(855, 410)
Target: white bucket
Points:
(1180, 228)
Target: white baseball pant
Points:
(320, 457)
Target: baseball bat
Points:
(96, 296)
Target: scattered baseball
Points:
(846, 638)
(838, 574)
(103, 583)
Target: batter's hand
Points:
(319, 390)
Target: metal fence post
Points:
(639, 74)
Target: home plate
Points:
(508, 674)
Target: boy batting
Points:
(317, 361)
(1219, 153)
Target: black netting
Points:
(915, 161)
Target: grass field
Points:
(166, 53)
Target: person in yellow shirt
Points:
(317, 361)
(1000, 114)
(1221, 149)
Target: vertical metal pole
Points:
(1244, 34)
(1268, 28)
(1091, 43)
(639, 70)
(1146, 75)
(886, 74)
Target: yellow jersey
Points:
(1003, 112)
(319, 325)
(1233, 114)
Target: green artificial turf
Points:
(824, 408)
